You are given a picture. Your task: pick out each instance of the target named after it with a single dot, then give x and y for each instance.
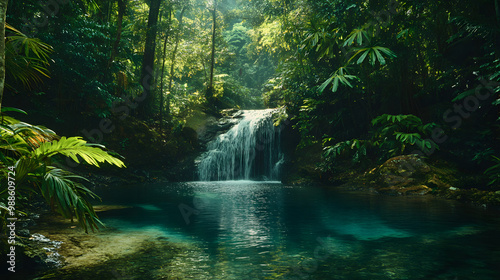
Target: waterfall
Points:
(250, 150)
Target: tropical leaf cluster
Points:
(33, 151)
(26, 59)
(400, 132)
(392, 135)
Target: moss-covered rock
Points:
(408, 175)
(412, 175)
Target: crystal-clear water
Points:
(249, 150)
(266, 230)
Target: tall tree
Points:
(172, 65)
(210, 89)
(122, 7)
(163, 70)
(147, 72)
(3, 14)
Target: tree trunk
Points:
(210, 93)
(163, 71)
(122, 7)
(147, 72)
(172, 65)
(3, 14)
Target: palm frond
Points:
(11, 109)
(75, 148)
(26, 59)
(375, 54)
(357, 35)
(15, 131)
(30, 149)
(28, 46)
(69, 198)
(339, 77)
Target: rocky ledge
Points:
(411, 175)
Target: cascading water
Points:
(248, 151)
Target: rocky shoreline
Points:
(402, 175)
(61, 250)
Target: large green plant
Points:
(396, 134)
(32, 151)
(392, 135)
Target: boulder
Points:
(209, 127)
(405, 175)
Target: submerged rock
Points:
(38, 252)
(52, 258)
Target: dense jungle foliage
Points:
(363, 80)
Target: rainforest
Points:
(249, 139)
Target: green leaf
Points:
(362, 57)
(372, 58)
(379, 57)
(464, 95)
(335, 84)
(69, 198)
(75, 147)
(10, 109)
(356, 35)
(341, 76)
(326, 83)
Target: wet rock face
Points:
(403, 175)
(213, 127)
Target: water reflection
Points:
(239, 219)
(259, 230)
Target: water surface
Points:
(266, 230)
